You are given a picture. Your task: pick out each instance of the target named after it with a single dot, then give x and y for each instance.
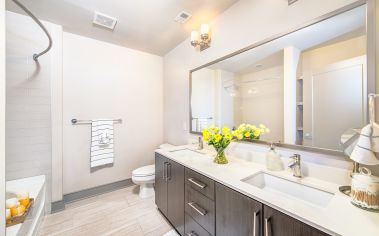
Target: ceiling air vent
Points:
(104, 20)
(182, 17)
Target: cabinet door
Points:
(160, 183)
(236, 214)
(175, 195)
(277, 223)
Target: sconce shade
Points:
(194, 36)
(202, 39)
(204, 29)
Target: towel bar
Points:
(78, 122)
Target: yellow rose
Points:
(247, 134)
(218, 137)
(262, 126)
(228, 136)
(206, 135)
(239, 136)
(257, 133)
(225, 130)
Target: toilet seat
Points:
(145, 178)
(144, 171)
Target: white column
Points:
(56, 85)
(291, 60)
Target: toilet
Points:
(145, 177)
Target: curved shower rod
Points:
(26, 10)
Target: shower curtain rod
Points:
(26, 10)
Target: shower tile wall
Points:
(28, 94)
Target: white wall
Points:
(203, 94)
(266, 105)
(102, 80)
(2, 118)
(225, 102)
(244, 23)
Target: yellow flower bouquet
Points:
(252, 132)
(220, 139)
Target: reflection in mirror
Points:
(307, 87)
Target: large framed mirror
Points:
(308, 85)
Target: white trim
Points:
(56, 32)
(2, 117)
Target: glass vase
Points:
(220, 157)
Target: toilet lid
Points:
(144, 171)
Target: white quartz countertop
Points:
(339, 217)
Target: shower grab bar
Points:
(78, 122)
(26, 10)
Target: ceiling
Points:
(338, 28)
(146, 25)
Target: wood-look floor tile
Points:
(152, 221)
(121, 212)
(130, 229)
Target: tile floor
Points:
(120, 212)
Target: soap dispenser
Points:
(273, 160)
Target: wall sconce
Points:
(204, 40)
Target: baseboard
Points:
(57, 206)
(86, 193)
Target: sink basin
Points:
(185, 152)
(290, 189)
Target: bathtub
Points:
(37, 190)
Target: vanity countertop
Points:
(339, 217)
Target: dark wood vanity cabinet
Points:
(199, 206)
(169, 190)
(237, 214)
(161, 183)
(277, 223)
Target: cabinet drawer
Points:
(201, 209)
(194, 229)
(200, 183)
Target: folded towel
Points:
(102, 143)
(367, 149)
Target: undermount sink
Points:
(185, 152)
(290, 189)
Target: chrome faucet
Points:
(295, 165)
(200, 144)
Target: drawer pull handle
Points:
(192, 233)
(255, 224)
(165, 171)
(168, 175)
(198, 209)
(267, 226)
(197, 183)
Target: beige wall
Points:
(102, 80)
(246, 22)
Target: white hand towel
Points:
(367, 149)
(102, 143)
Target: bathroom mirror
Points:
(308, 86)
